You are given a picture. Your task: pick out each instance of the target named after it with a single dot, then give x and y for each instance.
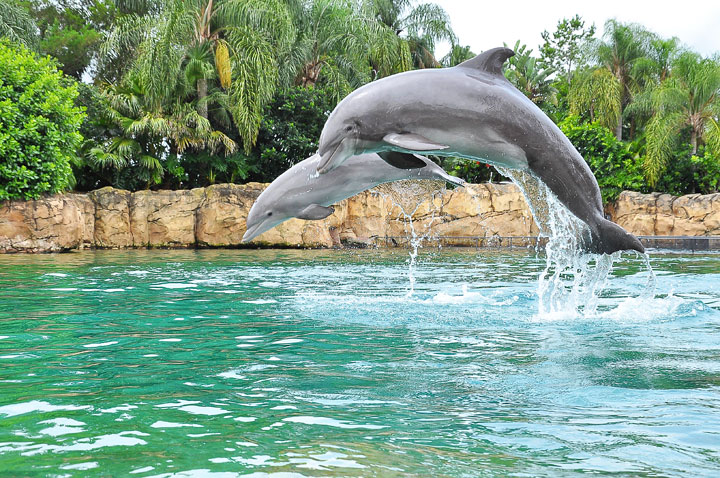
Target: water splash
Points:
(409, 196)
(573, 279)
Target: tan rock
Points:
(171, 217)
(221, 215)
(215, 216)
(49, 224)
(112, 218)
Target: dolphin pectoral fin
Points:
(454, 180)
(402, 160)
(315, 212)
(413, 142)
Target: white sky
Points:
(485, 24)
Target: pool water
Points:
(226, 363)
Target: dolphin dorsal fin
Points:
(490, 61)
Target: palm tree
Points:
(333, 43)
(144, 137)
(17, 25)
(650, 72)
(422, 26)
(217, 53)
(605, 91)
(688, 98)
(457, 55)
(525, 73)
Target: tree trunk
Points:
(202, 93)
(618, 129)
(694, 141)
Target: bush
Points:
(290, 130)
(38, 125)
(471, 171)
(687, 173)
(614, 166)
(706, 173)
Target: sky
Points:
(484, 24)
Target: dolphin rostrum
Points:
(301, 192)
(470, 111)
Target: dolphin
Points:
(301, 192)
(470, 111)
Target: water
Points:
(317, 363)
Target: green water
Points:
(318, 363)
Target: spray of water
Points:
(408, 197)
(573, 279)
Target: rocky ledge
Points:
(215, 217)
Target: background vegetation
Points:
(186, 93)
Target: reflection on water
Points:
(312, 363)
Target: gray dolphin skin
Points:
(301, 192)
(470, 111)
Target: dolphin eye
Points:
(270, 213)
(348, 128)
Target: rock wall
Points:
(659, 214)
(215, 217)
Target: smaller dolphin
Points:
(301, 192)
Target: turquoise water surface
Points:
(319, 363)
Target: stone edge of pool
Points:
(481, 215)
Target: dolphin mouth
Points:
(252, 232)
(331, 159)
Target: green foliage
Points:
(16, 24)
(690, 173)
(614, 166)
(706, 172)
(563, 51)
(290, 130)
(134, 146)
(38, 125)
(471, 171)
(457, 55)
(71, 30)
(525, 73)
(419, 27)
(688, 98)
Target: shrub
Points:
(38, 125)
(290, 130)
(706, 173)
(473, 172)
(614, 166)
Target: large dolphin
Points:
(470, 111)
(301, 192)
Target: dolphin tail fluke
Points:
(611, 238)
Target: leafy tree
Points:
(290, 130)
(471, 171)
(38, 125)
(16, 24)
(71, 30)
(333, 44)
(563, 50)
(148, 141)
(689, 99)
